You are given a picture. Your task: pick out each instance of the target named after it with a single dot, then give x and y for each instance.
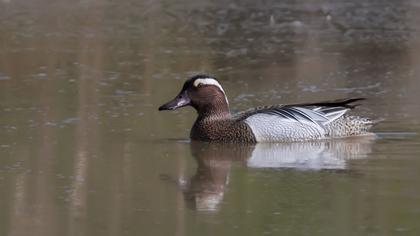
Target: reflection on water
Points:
(82, 144)
(205, 189)
(329, 154)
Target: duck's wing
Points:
(320, 113)
(296, 120)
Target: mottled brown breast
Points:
(222, 130)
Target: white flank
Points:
(210, 81)
(273, 128)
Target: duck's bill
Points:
(181, 100)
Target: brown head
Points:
(202, 92)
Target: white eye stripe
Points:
(210, 81)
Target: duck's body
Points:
(280, 123)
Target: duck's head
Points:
(202, 92)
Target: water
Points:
(84, 151)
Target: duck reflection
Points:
(205, 189)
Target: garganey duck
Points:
(277, 123)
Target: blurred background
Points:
(84, 151)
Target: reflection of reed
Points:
(33, 211)
(86, 131)
(20, 221)
(205, 190)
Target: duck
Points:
(272, 123)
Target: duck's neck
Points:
(213, 111)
